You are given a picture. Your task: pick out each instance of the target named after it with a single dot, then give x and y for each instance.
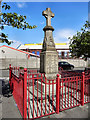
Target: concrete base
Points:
(51, 76)
(47, 88)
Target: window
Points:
(66, 63)
(33, 52)
(38, 52)
(59, 54)
(65, 54)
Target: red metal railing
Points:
(19, 88)
(41, 95)
(70, 92)
(32, 71)
(87, 87)
(65, 73)
(36, 96)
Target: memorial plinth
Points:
(49, 55)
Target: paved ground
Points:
(77, 112)
(8, 108)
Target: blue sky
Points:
(69, 18)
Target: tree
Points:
(14, 20)
(80, 43)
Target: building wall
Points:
(88, 62)
(33, 50)
(11, 53)
(17, 58)
(62, 49)
(62, 53)
(27, 63)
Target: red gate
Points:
(70, 92)
(73, 91)
(16, 81)
(41, 95)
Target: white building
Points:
(62, 49)
(16, 57)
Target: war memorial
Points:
(48, 56)
(48, 91)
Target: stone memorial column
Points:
(49, 55)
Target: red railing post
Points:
(57, 93)
(82, 88)
(10, 74)
(25, 93)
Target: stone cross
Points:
(48, 15)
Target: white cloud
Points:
(62, 35)
(21, 5)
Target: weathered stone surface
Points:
(48, 43)
(48, 15)
(48, 63)
(48, 56)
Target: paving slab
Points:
(8, 108)
(76, 112)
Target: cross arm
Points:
(44, 13)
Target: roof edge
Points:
(19, 50)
